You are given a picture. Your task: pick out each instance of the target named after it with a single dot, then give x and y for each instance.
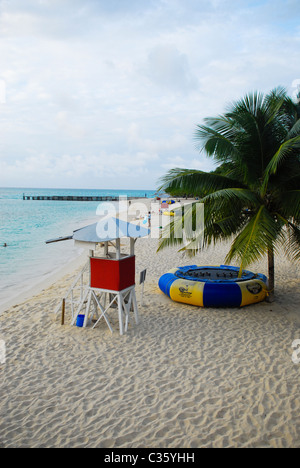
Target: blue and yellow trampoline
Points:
(214, 286)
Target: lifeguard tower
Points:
(111, 278)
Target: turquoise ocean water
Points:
(26, 225)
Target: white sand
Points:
(184, 377)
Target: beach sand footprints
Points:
(2, 351)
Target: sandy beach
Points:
(184, 377)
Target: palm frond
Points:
(286, 149)
(233, 195)
(290, 204)
(197, 229)
(295, 130)
(216, 138)
(196, 182)
(251, 103)
(274, 103)
(255, 239)
(293, 244)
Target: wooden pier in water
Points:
(75, 198)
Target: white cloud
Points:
(169, 69)
(105, 94)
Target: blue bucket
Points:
(80, 321)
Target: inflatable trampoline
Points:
(214, 286)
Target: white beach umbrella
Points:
(106, 230)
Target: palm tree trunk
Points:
(271, 266)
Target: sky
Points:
(107, 94)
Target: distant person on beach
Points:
(5, 244)
(149, 219)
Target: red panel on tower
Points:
(114, 275)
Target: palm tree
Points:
(254, 196)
